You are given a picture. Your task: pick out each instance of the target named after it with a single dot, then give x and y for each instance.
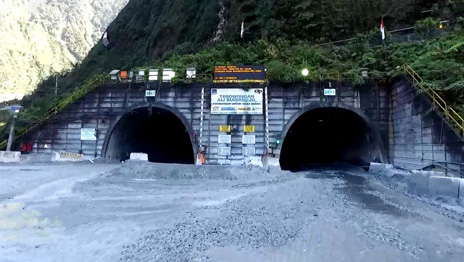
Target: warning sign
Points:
(224, 129)
(249, 129)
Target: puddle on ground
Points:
(357, 189)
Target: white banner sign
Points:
(248, 139)
(88, 134)
(249, 151)
(236, 101)
(224, 151)
(224, 139)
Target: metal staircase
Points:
(79, 93)
(439, 103)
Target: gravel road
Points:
(156, 212)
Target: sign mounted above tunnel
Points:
(236, 101)
(253, 74)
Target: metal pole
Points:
(11, 136)
(56, 85)
(202, 115)
(266, 105)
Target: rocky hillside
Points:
(42, 37)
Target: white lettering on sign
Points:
(88, 134)
(248, 139)
(150, 93)
(249, 151)
(224, 139)
(236, 101)
(224, 151)
(330, 92)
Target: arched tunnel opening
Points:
(328, 136)
(154, 131)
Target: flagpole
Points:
(242, 32)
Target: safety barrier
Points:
(9, 157)
(446, 186)
(139, 157)
(55, 110)
(450, 114)
(271, 163)
(65, 156)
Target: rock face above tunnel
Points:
(419, 136)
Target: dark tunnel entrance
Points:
(154, 131)
(329, 135)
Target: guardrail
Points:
(451, 115)
(55, 110)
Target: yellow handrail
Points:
(55, 110)
(450, 114)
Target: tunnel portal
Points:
(329, 135)
(155, 131)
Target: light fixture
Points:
(305, 72)
(364, 74)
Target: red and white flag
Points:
(382, 29)
(106, 38)
(242, 30)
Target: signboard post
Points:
(236, 101)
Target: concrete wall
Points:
(418, 134)
(102, 108)
(412, 135)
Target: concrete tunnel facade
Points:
(381, 122)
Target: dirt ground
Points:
(156, 212)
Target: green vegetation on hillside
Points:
(284, 35)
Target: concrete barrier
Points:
(376, 168)
(444, 186)
(139, 157)
(10, 157)
(419, 182)
(254, 161)
(67, 157)
(461, 188)
(271, 163)
(382, 169)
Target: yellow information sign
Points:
(225, 129)
(249, 129)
